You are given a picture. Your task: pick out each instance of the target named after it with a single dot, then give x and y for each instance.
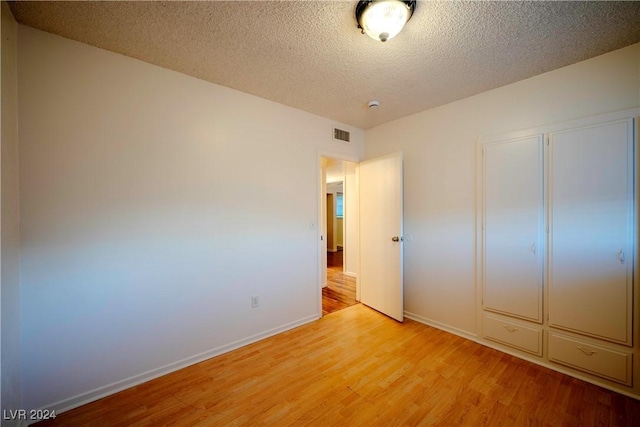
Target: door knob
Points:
(395, 239)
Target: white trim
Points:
(115, 387)
(350, 274)
(560, 126)
(441, 326)
(334, 154)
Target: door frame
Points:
(319, 193)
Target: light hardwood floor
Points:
(340, 291)
(356, 367)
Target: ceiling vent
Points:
(341, 135)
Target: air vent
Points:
(341, 135)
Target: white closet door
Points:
(513, 219)
(591, 234)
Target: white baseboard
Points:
(109, 389)
(350, 274)
(455, 331)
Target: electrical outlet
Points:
(255, 301)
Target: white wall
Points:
(323, 226)
(151, 212)
(351, 214)
(439, 170)
(10, 221)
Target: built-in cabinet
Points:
(591, 230)
(556, 247)
(513, 220)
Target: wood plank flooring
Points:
(340, 291)
(356, 367)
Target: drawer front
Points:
(513, 334)
(605, 362)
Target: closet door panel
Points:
(513, 215)
(591, 220)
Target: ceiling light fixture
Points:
(383, 19)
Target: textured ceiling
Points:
(310, 55)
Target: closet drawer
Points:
(604, 362)
(513, 334)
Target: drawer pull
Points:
(510, 328)
(585, 351)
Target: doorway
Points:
(377, 237)
(339, 229)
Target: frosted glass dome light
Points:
(383, 19)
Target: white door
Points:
(513, 221)
(381, 241)
(591, 230)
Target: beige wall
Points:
(10, 221)
(151, 213)
(440, 171)
(331, 219)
